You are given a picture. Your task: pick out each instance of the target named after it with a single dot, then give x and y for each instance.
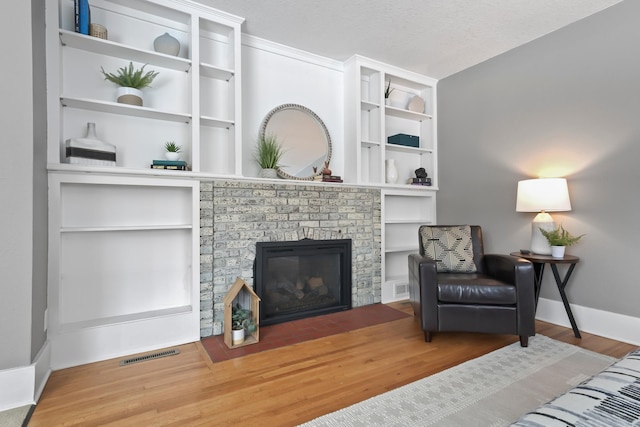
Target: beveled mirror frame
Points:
(317, 119)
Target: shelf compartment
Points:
(405, 149)
(406, 114)
(118, 50)
(123, 109)
(216, 122)
(368, 106)
(211, 71)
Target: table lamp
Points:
(542, 195)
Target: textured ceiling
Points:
(432, 37)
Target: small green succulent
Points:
(172, 147)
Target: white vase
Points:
(391, 173)
(171, 155)
(129, 95)
(237, 336)
(557, 251)
(166, 44)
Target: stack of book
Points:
(331, 178)
(176, 165)
(420, 181)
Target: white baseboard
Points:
(23, 386)
(619, 327)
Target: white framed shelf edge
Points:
(123, 109)
(126, 228)
(125, 318)
(118, 50)
(402, 249)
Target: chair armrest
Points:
(519, 272)
(423, 290)
(506, 268)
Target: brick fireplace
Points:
(235, 215)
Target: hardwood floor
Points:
(280, 387)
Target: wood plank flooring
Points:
(280, 387)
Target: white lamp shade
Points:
(543, 194)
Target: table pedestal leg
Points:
(562, 283)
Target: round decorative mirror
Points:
(304, 139)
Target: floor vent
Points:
(151, 356)
(401, 289)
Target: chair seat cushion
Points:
(473, 288)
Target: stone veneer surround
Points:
(234, 215)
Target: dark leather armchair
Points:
(497, 298)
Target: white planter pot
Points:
(558, 251)
(129, 95)
(237, 336)
(268, 173)
(170, 155)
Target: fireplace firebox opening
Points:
(302, 278)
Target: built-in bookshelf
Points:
(370, 119)
(124, 271)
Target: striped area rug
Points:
(489, 391)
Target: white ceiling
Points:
(432, 37)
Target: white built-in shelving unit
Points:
(369, 121)
(124, 240)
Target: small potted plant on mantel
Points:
(241, 321)
(268, 154)
(131, 81)
(172, 150)
(559, 239)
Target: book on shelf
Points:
(331, 178)
(170, 163)
(423, 181)
(170, 167)
(82, 16)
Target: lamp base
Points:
(539, 243)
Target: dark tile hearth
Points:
(283, 334)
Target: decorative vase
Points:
(237, 336)
(166, 44)
(391, 174)
(171, 155)
(90, 150)
(558, 251)
(268, 173)
(130, 96)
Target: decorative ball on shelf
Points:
(167, 44)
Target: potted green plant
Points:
(268, 154)
(241, 322)
(559, 239)
(131, 81)
(387, 92)
(172, 150)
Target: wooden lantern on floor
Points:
(243, 294)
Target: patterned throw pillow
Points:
(450, 247)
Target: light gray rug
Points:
(490, 391)
(14, 417)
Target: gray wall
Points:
(16, 182)
(567, 104)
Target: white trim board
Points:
(619, 327)
(23, 386)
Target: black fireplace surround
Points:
(302, 278)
